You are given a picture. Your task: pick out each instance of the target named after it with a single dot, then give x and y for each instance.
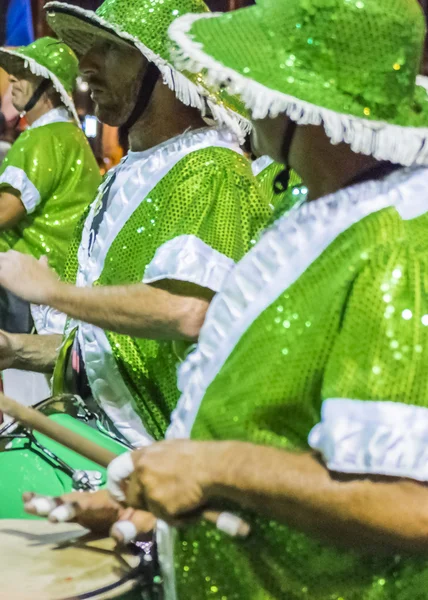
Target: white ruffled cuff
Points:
(47, 320)
(187, 258)
(18, 179)
(373, 438)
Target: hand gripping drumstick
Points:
(33, 419)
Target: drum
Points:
(32, 462)
(64, 562)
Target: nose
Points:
(90, 63)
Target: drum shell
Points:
(23, 467)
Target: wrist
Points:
(54, 294)
(17, 349)
(219, 468)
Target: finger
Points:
(133, 525)
(118, 470)
(44, 261)
(135, 496)
(40, 506)
(64, 513)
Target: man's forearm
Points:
(139, 310)
(296, 489)
(35, 352)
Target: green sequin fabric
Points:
(58, 161)
(358, 57)
(210, 194)
(145, 25)
(354, 325)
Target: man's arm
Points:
(29, 352)
(140, 310)
(11, 209)
(171, 310)
(373, 515)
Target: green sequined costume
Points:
(185, 210)
(331, 303)
(52, 167)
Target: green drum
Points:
(31, 462)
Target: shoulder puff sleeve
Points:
(29, 167)
(375, 411)
(215, 210)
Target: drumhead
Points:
(60, 561)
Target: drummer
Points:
(165, 229)
(319, 375)
(50, 175)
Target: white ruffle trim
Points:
(48, 320)
(284, 252)
(144, 175)
(37, 69)
(260, 164)
(373, 438)
(403, 145)
(187, 258)
(18, 179)
(56, 115)
(108, 387)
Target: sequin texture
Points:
(209, 193)
(329, 334)
(58, 161)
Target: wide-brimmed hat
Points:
(145, 26)
(48, 58)
(350, 65)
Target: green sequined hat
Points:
(47, 58)
(144, 24)
(349, 65)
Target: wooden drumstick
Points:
(33, 419)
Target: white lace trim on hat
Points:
(402, 145)
(37, 69)
(186, 91)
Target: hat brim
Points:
(15, 63)
(81, 29)
(218, 44)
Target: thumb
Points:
(133, 525)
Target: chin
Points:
(17, 106)
(109, 116)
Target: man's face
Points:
(23, 87)
(114, 73)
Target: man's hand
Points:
(171, 479)
(28, 278)
(96, 511)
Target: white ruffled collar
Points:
(184, 141)
(56, 115)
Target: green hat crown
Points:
(348, 64)
(48, 58)
(148, 20)
(145, 23)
